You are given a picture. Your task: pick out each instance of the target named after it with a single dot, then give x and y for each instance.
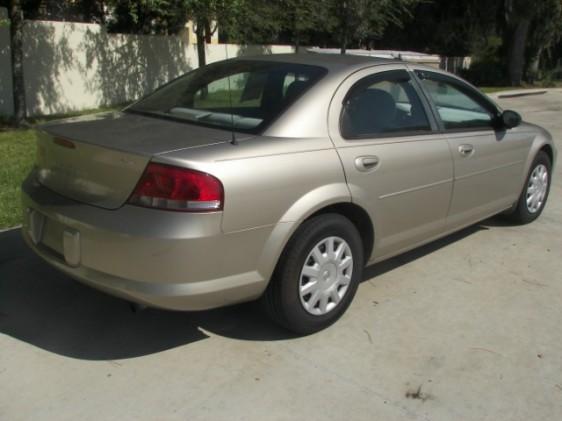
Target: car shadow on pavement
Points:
(46, 308)
(417, 253)
(49, 310)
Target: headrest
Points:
(371, 111)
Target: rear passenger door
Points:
(488, 162)
(398, 167)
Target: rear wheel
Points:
(535, 193)
(317, 275)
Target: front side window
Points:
(386, 103)
(246, 95)
(457, 108)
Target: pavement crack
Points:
(487, 350)
(537, 284)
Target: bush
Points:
(487, 68)
(485, 73)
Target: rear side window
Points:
(245, 94)
(383, 104)
(458, 107)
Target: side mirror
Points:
(510, 119)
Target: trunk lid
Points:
(99, 159)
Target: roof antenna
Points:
(233, 140)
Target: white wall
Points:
(6, 97)
(75, 66)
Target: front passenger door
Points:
(488, 163)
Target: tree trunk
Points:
(200, 34)
(516, 61)
(343, 39)
(534, 66)
(296, 34)
(16, 36)
(208, 33)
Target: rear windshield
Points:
(244, 95)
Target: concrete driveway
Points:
(466, 328)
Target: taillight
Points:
(181, 189)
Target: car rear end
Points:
(133, 203)
(130, 223)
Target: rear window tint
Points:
(246, 95)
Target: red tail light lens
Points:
(173, 188)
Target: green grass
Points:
(495, 89)
(17, 153)
(223, 99)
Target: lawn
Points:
(494, 89)
(17, 153)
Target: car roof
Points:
(333, 62)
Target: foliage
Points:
(362, 21)
(529, 27)
(447, 27)
(252, 22)
(529, 30)
(545, 33)
(487, 68)
(301, 17)
(147, 16)
(17, 153)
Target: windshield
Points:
(243, 95)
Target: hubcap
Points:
(325, 276)
(537, 188)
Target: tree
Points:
(205, 15)
(528, 23)
(362, 21)
(148, 17)
(446, 27)
(517, 22)
(15, 14)
(545, 33)
(252, 21)
(301, 17)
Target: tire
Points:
(287, 301)
(525, 213)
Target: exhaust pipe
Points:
(136, 307)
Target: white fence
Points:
(76, 66)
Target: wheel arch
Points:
(284, 231)
(358, 217)
(541, 143)
(546, 148)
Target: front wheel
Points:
(317, 275)
(535, 193)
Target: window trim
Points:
(382, 76)
(473, 93)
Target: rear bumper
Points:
(169, 260)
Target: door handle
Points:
(466, 150)
(366, 163)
